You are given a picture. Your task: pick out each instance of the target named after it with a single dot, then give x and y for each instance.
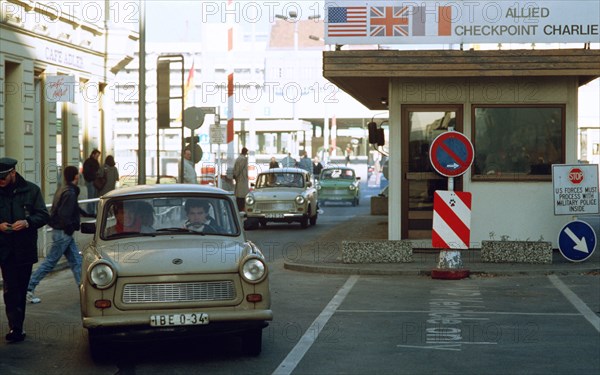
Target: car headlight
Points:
(253, 270)
(250, 200)
(102, 275)
(300, 199)
(352, 187)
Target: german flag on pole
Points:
(189, 85)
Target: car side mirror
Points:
(88, 228)
(308, 183)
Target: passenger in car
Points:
(136, 217)
(198, 218)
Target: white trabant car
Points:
(282, 195)
(171, 261)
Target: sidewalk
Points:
(326, 256)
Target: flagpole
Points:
(142, 96)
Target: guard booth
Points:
(518, 107)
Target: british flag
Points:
(389, 21)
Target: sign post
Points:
(451, 154)
(218, 136)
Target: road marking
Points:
(576, 301)
(462, 311)
(307, 340)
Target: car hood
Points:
(276, 194)
(175, 256)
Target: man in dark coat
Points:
(91, 166)
(22, 213)
(64, 221)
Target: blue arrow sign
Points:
(577, 241)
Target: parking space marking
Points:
(307, 340)
(576, 301)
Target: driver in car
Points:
(198, 219)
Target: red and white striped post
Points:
(451, 154)
(230, 98)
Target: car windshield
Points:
(133, 217)
(283, 179)
(335, 174)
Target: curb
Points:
(372, 269)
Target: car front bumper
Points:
(143, 318)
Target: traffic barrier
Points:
(450, 266)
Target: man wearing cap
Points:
(22, 213)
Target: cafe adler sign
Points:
(457, 22)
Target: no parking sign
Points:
(451, 154)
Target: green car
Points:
(339, 184)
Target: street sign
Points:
(577, 241)
(451, 219)
(575, 189)
(218, 134)
(451, 154)
(194, 116)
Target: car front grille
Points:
(335, 191)
(179, 292)
(274, 206)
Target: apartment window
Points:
(514, 143)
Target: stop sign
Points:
(576, 176)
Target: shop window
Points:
(518, 142)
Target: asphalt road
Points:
(339, 324)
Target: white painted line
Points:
(461, 311)
(307, 340)
(576, 301)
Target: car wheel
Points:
(313, 219)
(251, 224)
(304, 222)
(252, 342)
(99, 350)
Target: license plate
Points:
(274, 216)
(187, 319)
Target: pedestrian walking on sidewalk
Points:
(64, 221)
(110, 173)
(22, 213)
(240, 174)
(91, 166)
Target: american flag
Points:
(347, 21)
(389, 21)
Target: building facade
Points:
(57, 66)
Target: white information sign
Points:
(456, 22)
(60, 88)
(218, 134)
(575, 189)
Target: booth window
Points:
(515, 143)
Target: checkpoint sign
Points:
(451, 154)
(577, 241)
(576, 189)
